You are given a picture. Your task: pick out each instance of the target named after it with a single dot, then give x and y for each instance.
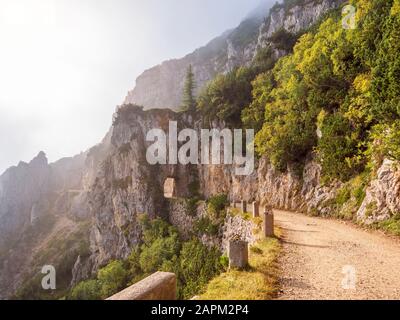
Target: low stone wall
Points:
(233, 225)
(158, 286)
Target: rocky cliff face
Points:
(126, 185)
(41, 205)
(161, 86)
(113, 183)
(22, 193)
(382, 199)
(295, 18)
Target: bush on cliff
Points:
(162, 250)
(350, 76)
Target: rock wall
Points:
(382, 198)
(233, 226)
(295, 18)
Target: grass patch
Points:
(258, 282)
(349, 198)
(391, 226)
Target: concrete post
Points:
(268, 227)
(169, 188)
(238, 252)
(243, 206)
(256, 209)
(158, 286)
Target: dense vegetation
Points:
(336, 95)
(161, 250)
(259, 281)
(61, 251)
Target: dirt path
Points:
(316, 250)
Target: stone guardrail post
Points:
(158, 286)
(243, 206)
(256, 209)
(170, 188)
(268, 227)
(238, 252)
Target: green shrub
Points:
(216, 204)
(227, 95)
(198, 265)
(112, 278)
(134, 263)
(162, 249)
(191, 205)
(338, 148)
(87, 290)
(205, 225)
(224, 261)
(391, 225)
(343, 196)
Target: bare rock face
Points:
(161, 86)
(382, 198)
(35, 198)
(21, 191)
(280, 190)
(295, 18)
(126, 185)
(291, 191)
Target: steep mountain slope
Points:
(111, 184)
(44, 214)
(161, 86)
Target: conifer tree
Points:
(189, 100)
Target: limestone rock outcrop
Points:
(382, 198)
(161, 86)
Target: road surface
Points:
(329, 259)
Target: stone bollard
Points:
(268, 222)
(169, 188)
(256, 209)
(243, 206)
(238, 252)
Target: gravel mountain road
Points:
(329, 259)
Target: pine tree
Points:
(189, 100)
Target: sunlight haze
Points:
(66, 64)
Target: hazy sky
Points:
(66, 64)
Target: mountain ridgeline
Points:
(162, 85)
(307, 85)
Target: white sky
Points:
(66, 64)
